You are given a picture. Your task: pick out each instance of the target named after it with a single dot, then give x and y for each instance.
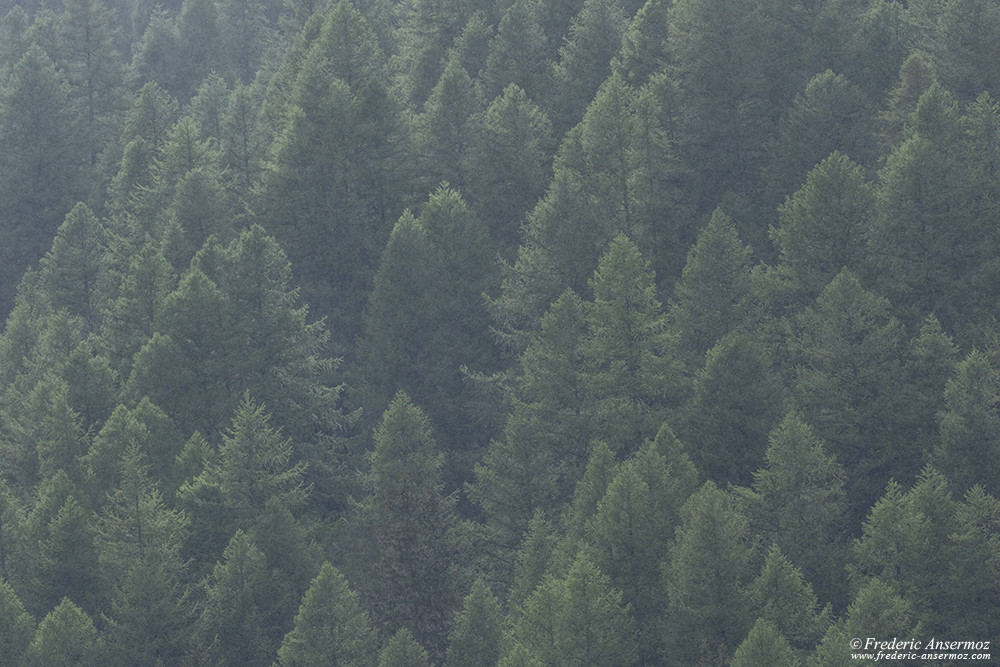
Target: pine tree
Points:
(969, 424)
(547, 438)
(737, 400)
(336, 177)
(39, 168)
(713, 295)
(402, 650)
(765, 645)
(800, 505)
(75, 272)
(519, 53)
(849, 351)
(478, 635)
(578, 619)
(628, 353)
(330, 628)
(447, 128)
(66, 636)
(595, 36)
(412, 580)
(824, 227)
(782, 597)
(830, 115)
(231, 629)
(509, 164)
(16, 626)
(708, 606)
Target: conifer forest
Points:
(472, 333)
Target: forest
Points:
(398, 333)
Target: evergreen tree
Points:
(68, 559)
(426, 31)
(824, 227)
(336, 179)
(231, 629)
(578, 619)
(330, 628)
(800, 504)
(16, 626)
(784, 599)
(39, 168)
(66, 636)
(255, 464)
(95, 70)
(849, 351)
(965, 43)
(830, 115)
(713, 295)
(478, 635)
(151, 616)
(75, 271)
(629, 366)
(509, 165)
(595, 36)
(969, 424)
(412, 579)
(737, 400)
(547, 437)
(765, 645)
(708, 613)
(630, 533)
(519, 53)
(447, 127)
(402, 650)
(135, 527)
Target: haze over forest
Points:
(531, 332)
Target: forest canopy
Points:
(531, 332)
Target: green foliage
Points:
(709, 610)
(478, 634)
(330, 628)
(16, 626)
(799, 504)
(578, 619)
(66, 636)
(765, 645)
(412, 577)
(402, 650)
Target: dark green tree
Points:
(799, 505)
(736, 401)
(709, 611)
(765, 645)
(16, 626)
(713, 295)
(546, 440)
(509, 165)
(336, 180)
(969, 424)
(824, 227)
(231, 629)
(39, 168)
(594, 37)
(75, 272)
(412, 578)
(849, 353)
(782, 597)
(520, 53)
